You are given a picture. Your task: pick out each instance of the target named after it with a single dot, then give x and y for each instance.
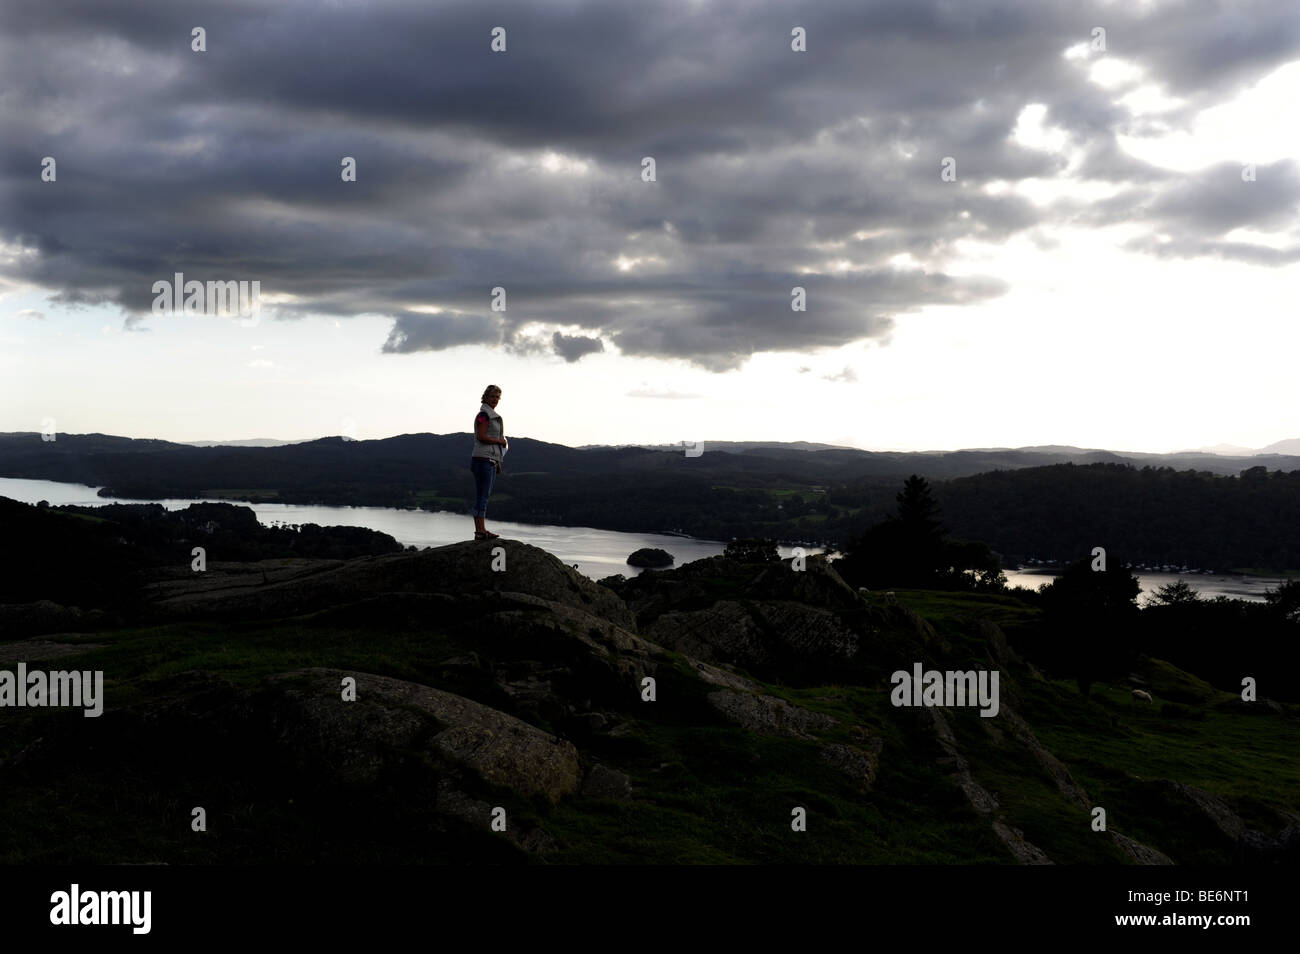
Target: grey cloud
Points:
(1191, 215)
(573, 347)
(225, 165)
(1217, 199)
(413, 333)
(1237, 251)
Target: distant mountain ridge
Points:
(150, 469)
(738, 447)
(1289, 447)
(1285, 448)
(248, 442)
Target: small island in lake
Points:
(651, 557)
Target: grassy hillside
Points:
(198, 713)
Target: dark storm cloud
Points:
(774, 169)
(435, 332)
(573, 347)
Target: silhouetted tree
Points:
(970, 564)
(910, 549)
(1285, 600)
(1091, 615)
(917, 509)
(1173, 594)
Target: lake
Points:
(1208, 585)
(598, 553)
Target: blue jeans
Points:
(485, 475)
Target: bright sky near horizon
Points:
(1105, 270)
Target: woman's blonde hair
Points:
(491, 390)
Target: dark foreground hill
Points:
(681, 717)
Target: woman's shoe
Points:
(487, 535)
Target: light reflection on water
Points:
(598, 553)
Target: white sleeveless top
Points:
(495, 428)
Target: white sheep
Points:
(1142, 694)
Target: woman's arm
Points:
(480, 432)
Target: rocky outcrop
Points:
(859, 762)
(1266, 707)
(1069, 789)
(776, 637)
(517, 683)
(770, 715)
(1255, 847)
(817, 584)
(605, 782)
(980, 798)
(273, 589)
(762, 713)
(1210, 823)
(45, 647)
(701, 583)
(400, 749)
(392, 720)
(44, 616)
(991, 634)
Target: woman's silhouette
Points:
(490, 446)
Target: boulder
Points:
(393, 720)
(859, 763)
(605, 782)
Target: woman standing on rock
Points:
(490, 446)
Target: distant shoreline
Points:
(1253, 572)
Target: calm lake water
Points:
(598, 553)
(1209, 585)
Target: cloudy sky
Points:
(1014, 223)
